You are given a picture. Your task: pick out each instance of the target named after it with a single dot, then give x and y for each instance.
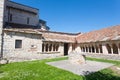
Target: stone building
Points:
(23, 34)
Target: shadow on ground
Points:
(101, 76)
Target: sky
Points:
(75, 16)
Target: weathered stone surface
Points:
(104, 56)
(77, 58)
(4, 61)
(1, 20)
(29, 57)
(21, 16)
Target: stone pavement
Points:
(80, 69)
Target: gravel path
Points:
(83, 69)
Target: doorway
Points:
(65, 49)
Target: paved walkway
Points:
(84, 69)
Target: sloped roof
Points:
(58, 36)
(47, 35)
(28, 31)
(106, 34)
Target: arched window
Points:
(50, 47)
(83, 49)
(89, 49)
(42, 47)
(93, 49)
(54, 47)
(97, 51)
(108, 48)
(115, 49)
(46, 47)
(57, 47)
(86, 49)
(100, 46)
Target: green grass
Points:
(35, 70)
(106, 74)
(38, 70)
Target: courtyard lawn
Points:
(107, 74)
(38, 70)
(35, 70)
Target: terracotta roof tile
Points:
(58, 37)
(111, 33)
(106, 34)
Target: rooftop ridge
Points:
(24, 5)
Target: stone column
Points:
(99, 50)
(81, 49)
(104, 48)
(2, 9)
(85, 49)
(91, 49)
(111, 49)
(52, 47)
(118, 48)
(88, 49)
(95, 49)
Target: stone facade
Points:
(106, 47)
(19, 42)
(2, 8)
(30, 44)
(21, 14)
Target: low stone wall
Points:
(104, 56)
(29, 57)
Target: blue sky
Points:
(77, 15)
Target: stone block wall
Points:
(21, 13)
(31, 44)
(2, 4)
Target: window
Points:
(18, 43)
(28, 20)
(10, 17)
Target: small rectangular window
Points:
(10, 17)
(18, 43)
(28, 20)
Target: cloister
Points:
(50, 47)
(101, 48)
